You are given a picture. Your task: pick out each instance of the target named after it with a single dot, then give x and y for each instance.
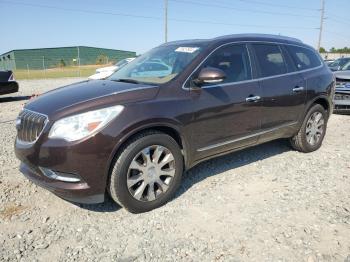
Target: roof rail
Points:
(261, 35)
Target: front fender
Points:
(155, 123)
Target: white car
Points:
(152, 68)
(104, 72)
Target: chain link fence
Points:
(334, 55)
(53, 68)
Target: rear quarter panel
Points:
(320, 83)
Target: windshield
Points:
(346, 67)
(159, 65)
(340, 62)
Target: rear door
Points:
(223, 118)
(283, 91)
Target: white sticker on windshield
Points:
(184, 49)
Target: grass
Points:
(59, 72)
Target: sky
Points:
(138, 25)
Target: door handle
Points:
(298, 89)
(253, 99)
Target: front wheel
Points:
(147, 172)
(311, 134)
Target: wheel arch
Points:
(322, 100)
(168, 128)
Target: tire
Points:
(301, 141)
(133, 153)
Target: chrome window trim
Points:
(250, 62)
(245, 137)
(25, 143)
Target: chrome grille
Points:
(341, 97)
(342, 83)
(29, 125)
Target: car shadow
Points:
(209, 168)
(107, 206)
(13, 99)
(234, 160)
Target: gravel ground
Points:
(267, 203)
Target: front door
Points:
(226, 115)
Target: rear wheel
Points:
(311, 134)
(147, 172)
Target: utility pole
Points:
(166, 20)
(78, 61)
(321, 25)
(44, 66)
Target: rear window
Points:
(270, 60)
(303, 58)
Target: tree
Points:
(102, 59)
(344, 50)
(322, 50)
(62, 63)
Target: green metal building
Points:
(44, 58)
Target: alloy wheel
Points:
(150, 173)
(314, 128)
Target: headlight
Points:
(79, 126)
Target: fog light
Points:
(65, 177)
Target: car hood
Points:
(108, 68)
(345, 75)
(89, 95)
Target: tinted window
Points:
(270, 60)
(335, 63)
(233, 60)
(303, 58)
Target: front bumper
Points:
(74, 192)
(83, 159)
(8, 87)
(342, 100)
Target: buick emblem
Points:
(18, 123)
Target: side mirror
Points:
(210, 75)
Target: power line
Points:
(335, 20)
(242, 10)
(150, 17)
(80, 10)
(240, 25)
(279, 5)
(338, 34)
(273, 5)
(338, 18)
(187, 20)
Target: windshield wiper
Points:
(127, 80)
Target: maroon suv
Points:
(181, 103)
